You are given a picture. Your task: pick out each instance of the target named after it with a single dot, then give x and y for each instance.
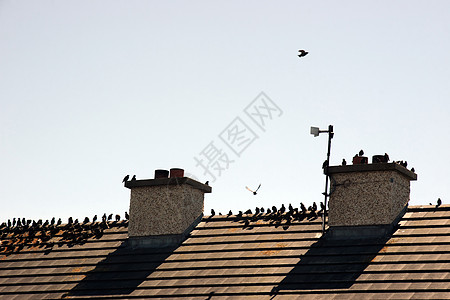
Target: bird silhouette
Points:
(94, 219)
(361, 153)
(413, 170)
(254, 192)
(212, 212)
(230, 213)
(439, 202)
(344, 162)
(127, 216)
(125, 179)
(117, 218)
(207, 182)
(386, 157)
(134, 178)
(302, 53)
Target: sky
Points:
(91, 91)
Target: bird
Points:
(230, 213)
(413, 170)
(361, 153)
(254, 192)
(59, 222)
(344, 162)
(110, 217)
(134, 178)
(126, 178)
(207, 182)
(86, 220)
(303, 207)
(94, 219)
(213, 213)
(322, 206)
(117, 218)
(314, 206)
(127, 216)
(282, 209)
(274, 209)
(386, 157)
(325, 164)
(439, 202)
(302, 53)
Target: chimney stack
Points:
(367, 200)
(164, 210)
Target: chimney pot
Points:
(160, 173)
(175, 172)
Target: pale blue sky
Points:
(93, 90)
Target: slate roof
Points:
(224, 258)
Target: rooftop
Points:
(256, 256)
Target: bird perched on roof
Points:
(213, 213)
(302, 207)
(254, 192)
(126, 178)
(134, 178)
(230, 213)
(439, 202)
(361, 153)
(302, 53)
(117, 218)
(110, 217)
(344, 162)
(282, 209)
(127, 216)
(94, 219)
(274, 209)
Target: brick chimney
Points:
(367, 200)
(164, 210)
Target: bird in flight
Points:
(126, 178)
(302, 53)
(254, 192)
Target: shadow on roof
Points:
(121, 272)
(331, 264)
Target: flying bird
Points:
(126, 178)
(254, 192)
(302, 53)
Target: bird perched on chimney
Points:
(361, 153)
(413, 170)
(325, 164)
(386, 157)
(207, 182)
(254, 192)
(302, 53)
(134, 178)
(344, 162)
(125, 179)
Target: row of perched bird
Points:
(23, 223)
(280, 216)
(17, 234)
